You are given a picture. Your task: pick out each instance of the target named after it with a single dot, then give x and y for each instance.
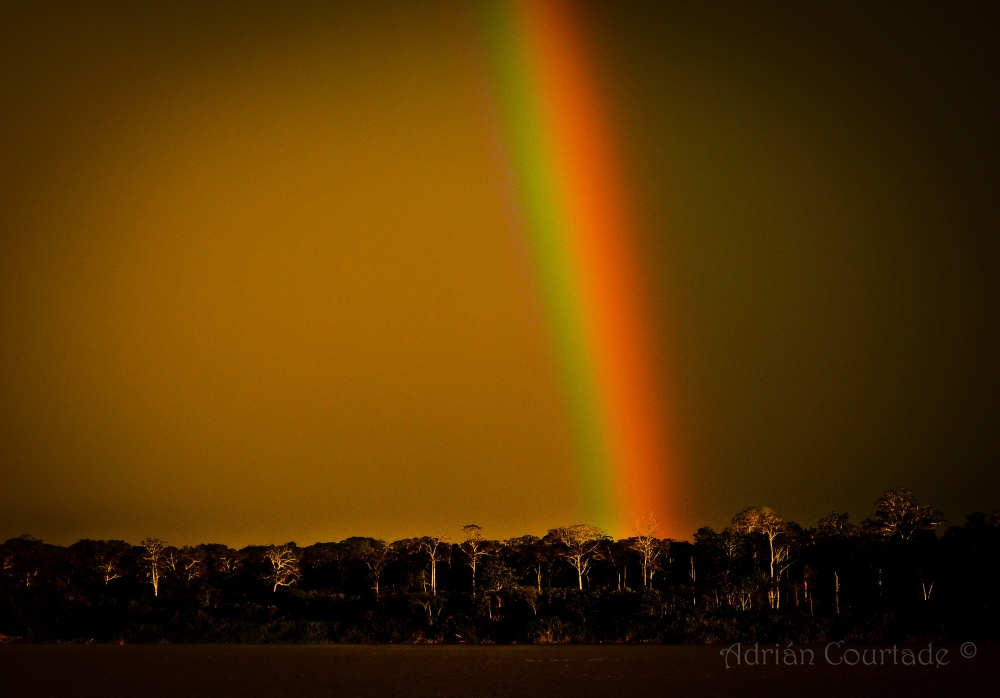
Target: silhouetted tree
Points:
(284, 565)
(154, 561)
(898, 513)
(227, 560)
(374, 554)
(437, 550)
(765, 521)
(647, 546)
(475, 548)
(532, 554)
(497, 578)
(191, 564)
(891, 579)
(579, 544)
(103, 557)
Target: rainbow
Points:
(567, 198)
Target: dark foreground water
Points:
(275, 671)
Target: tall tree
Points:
(284, 565)
(497, 578)
(106, 565)
(104, 557)
(733, 545)
(155, 561)
(374, 554)
(192, 564)
(437, 550)
(579, 544)
(227, 560)
(475, 547)
(763, 520)
(647, 545)
(835, 524)
(532, 552)
(898, 513)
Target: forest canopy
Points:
(890, 577)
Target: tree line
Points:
(890, 578)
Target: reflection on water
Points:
(150, 671)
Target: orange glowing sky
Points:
(257, 283)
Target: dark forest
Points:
(890, 578)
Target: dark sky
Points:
(823, 185)
(256, 284)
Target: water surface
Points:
(575, 671)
